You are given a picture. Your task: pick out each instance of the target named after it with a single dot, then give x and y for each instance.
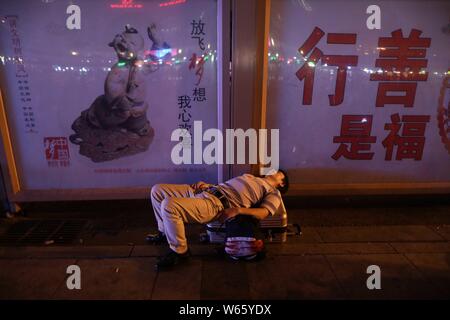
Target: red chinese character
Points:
(198, 63)
(63, 155)
(355, 130)
(342, 62)
(411, 142)
(402, 61)
(56, 148)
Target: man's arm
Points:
(258, 213)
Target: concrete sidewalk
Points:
(326, 262)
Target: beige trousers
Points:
(176, 204)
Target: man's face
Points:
(277, 179)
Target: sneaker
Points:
(170, 259)
(156, 238)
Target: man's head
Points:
(279, 180)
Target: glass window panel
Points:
(99, 84)
(333, 133)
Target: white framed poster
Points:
(93, 89)
(360, 92)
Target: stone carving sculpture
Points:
(116, 124)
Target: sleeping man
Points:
(177, 204)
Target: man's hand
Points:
(229, 213)
(200, 186)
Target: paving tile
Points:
(180, 283)
(223, 279)
(282, 277)
(443, 230)
(131, 278)
(32, 278)
(148, 251)
(411, 211)
(436, 269)
(309, 235)
(123, 237)
(421, 247)
(206, 249)
(154, 251)
(66, 252)
(378, 234)
(329, 248)
(399, 278)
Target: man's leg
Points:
(177, 211)
(160, 192)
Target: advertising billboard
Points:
(360, 92)
(94, 89)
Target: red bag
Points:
(242, 240)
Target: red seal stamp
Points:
(444, 112)
(57, 151)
